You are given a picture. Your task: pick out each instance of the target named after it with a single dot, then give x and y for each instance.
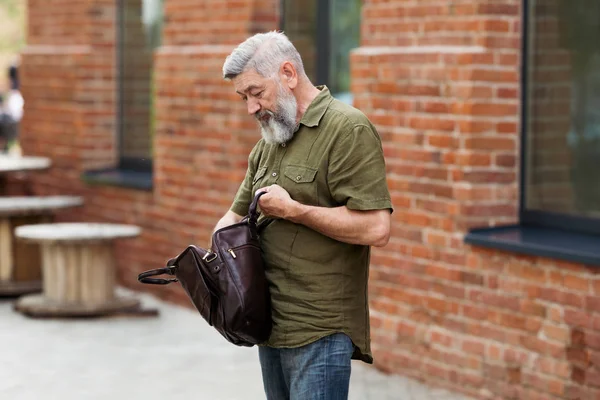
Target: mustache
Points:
(261, 114)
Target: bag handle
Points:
(252, 213)
(144, 277)
(252, 217)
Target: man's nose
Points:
(253, 106)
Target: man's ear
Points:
(288, 75)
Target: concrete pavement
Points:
(175, 356)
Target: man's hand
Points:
(277, 202)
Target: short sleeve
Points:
(356, 174)
(244, 195)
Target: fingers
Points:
(264, 189)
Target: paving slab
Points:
(175, 356)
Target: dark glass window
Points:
(324, 32)
(140, 33)
(561, 141)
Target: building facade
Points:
(488, 114)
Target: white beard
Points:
(281, 125)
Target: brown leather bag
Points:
(227, 283)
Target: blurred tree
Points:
(12, 35)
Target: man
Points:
(321, 163)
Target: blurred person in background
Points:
(11, 112)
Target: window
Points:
(324, 32)
(561, 138)
(140, 32)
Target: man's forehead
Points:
(247, 81)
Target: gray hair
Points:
(264, 53)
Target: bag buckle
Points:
(209, 256)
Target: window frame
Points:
(538, 218)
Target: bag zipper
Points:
(232, 250)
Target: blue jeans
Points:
(316, 371)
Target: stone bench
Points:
(78, 269)
(20, 263)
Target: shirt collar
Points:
(315, 111)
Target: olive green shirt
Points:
(318, 285)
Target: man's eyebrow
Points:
(249, 88)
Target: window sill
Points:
(141, 180)
(545, 242)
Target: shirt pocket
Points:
(301, 184)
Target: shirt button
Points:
(282, 144)
(274, 174)
(298, 177)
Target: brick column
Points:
(440, 80)
(68, 83)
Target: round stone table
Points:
(20, 263)
(10, 163)
(78, 269)
(14, 164)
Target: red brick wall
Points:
(487, 323)
(68, 82)
(440, 22)
(191, 22)
(66, 22)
